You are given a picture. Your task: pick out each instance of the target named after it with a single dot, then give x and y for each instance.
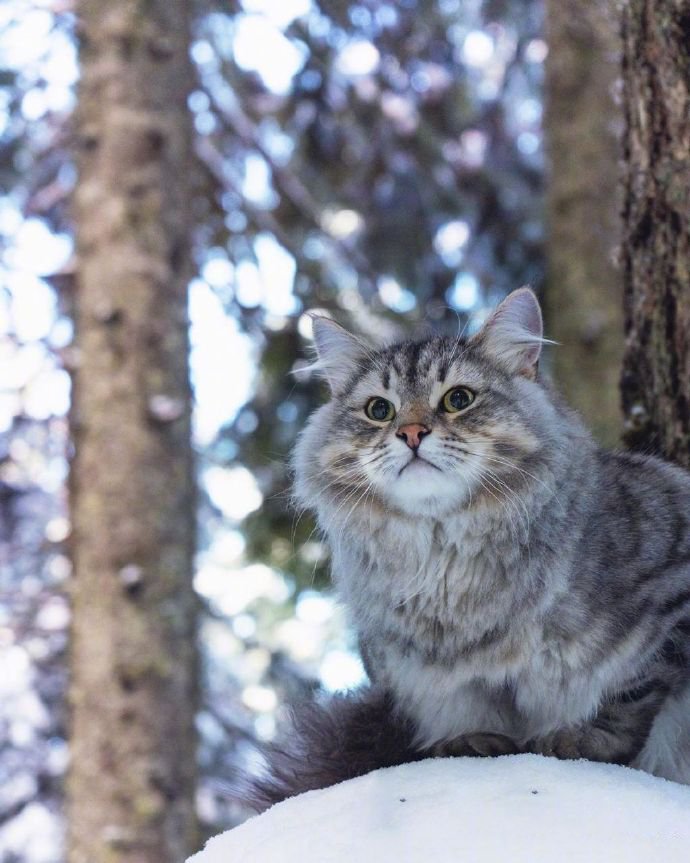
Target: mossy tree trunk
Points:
(583, 291)
(656, 251)
(132, 691)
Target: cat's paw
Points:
(492, 744)
(480, 744)
(560, 744)
(592, 743)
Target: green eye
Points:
(457, 399)
(380, 410)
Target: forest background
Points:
(179, 183)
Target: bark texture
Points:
(656, 253)
(583, 303)
(132, 692)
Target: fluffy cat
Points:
(514, 587)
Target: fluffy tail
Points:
(346, 736)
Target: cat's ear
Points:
(514, 333)
(339, 353)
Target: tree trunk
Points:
(655, 382)
(132, 692)
(583, 294)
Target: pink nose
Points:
(412, 434)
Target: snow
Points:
(521, 809)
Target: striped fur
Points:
(516, 583)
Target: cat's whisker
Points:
(354, 471)
(458, 341)
(359, 500)
(332, 466)
(360, 490)
(507, 463)
(348, 495)
(481, 480)
(344, 476)
(501, 480)
(511, 498)
(490, 486)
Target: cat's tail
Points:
(345, 736)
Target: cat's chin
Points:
(422, 489)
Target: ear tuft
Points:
(514, 333)
(339, 353)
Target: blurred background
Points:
(382, 162)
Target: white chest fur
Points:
(523, 699)
(456, 633)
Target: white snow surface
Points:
(519, 809)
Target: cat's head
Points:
(425, 426)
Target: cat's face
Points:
(426, 426)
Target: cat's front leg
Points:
(615, 735)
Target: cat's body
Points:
(514, 587)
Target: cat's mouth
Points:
(419, 461)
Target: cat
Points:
(514, 588)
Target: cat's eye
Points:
(380, 410)
(457, 399)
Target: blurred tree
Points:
(583, 296)
(133, 670)
(656, 244)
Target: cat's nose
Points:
(412, 434)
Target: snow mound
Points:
(518, 809)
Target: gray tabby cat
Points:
(514, 587)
